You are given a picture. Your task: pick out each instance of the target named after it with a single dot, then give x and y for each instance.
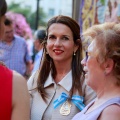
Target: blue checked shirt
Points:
(15, 55)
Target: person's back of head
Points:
(40, 35)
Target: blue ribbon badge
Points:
(77, 100)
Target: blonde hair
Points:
(107, 38)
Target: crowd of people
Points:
(61, 84)
(14, 96)
(16, 50)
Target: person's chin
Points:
(9, 40)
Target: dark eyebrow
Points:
(55, 35)
(66, 36)
(51, 35)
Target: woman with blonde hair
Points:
(102, 72)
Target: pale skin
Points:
(111, 113)
(20, 98)
(60, 46)
(104, 85)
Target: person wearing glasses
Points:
(14, 96)
(58, 90)
(102, 72)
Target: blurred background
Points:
(38, 12)
(29, 16)
(85, 12)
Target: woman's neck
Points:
(62, 71)
(109, 89)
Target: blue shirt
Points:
(15, 55)
(37, 61)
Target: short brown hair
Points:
(3, 7)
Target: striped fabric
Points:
(76, 100)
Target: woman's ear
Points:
(108, 66)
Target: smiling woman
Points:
(60, 44)
(57, 89)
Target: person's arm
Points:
(20, 99)
(29, 68)
(112, 112)
(28, 61)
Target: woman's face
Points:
(93, 71)
(60, 45)
(2, 27)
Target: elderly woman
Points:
(102, 68)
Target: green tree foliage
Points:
(29, 15)
(103, 2)
(32, 18)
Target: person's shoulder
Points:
(20, 97)
(19, 38)
(112, 112)
(113, 109)
(18, 80)
(19, 85)
(32, 81)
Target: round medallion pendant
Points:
(65, 108)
